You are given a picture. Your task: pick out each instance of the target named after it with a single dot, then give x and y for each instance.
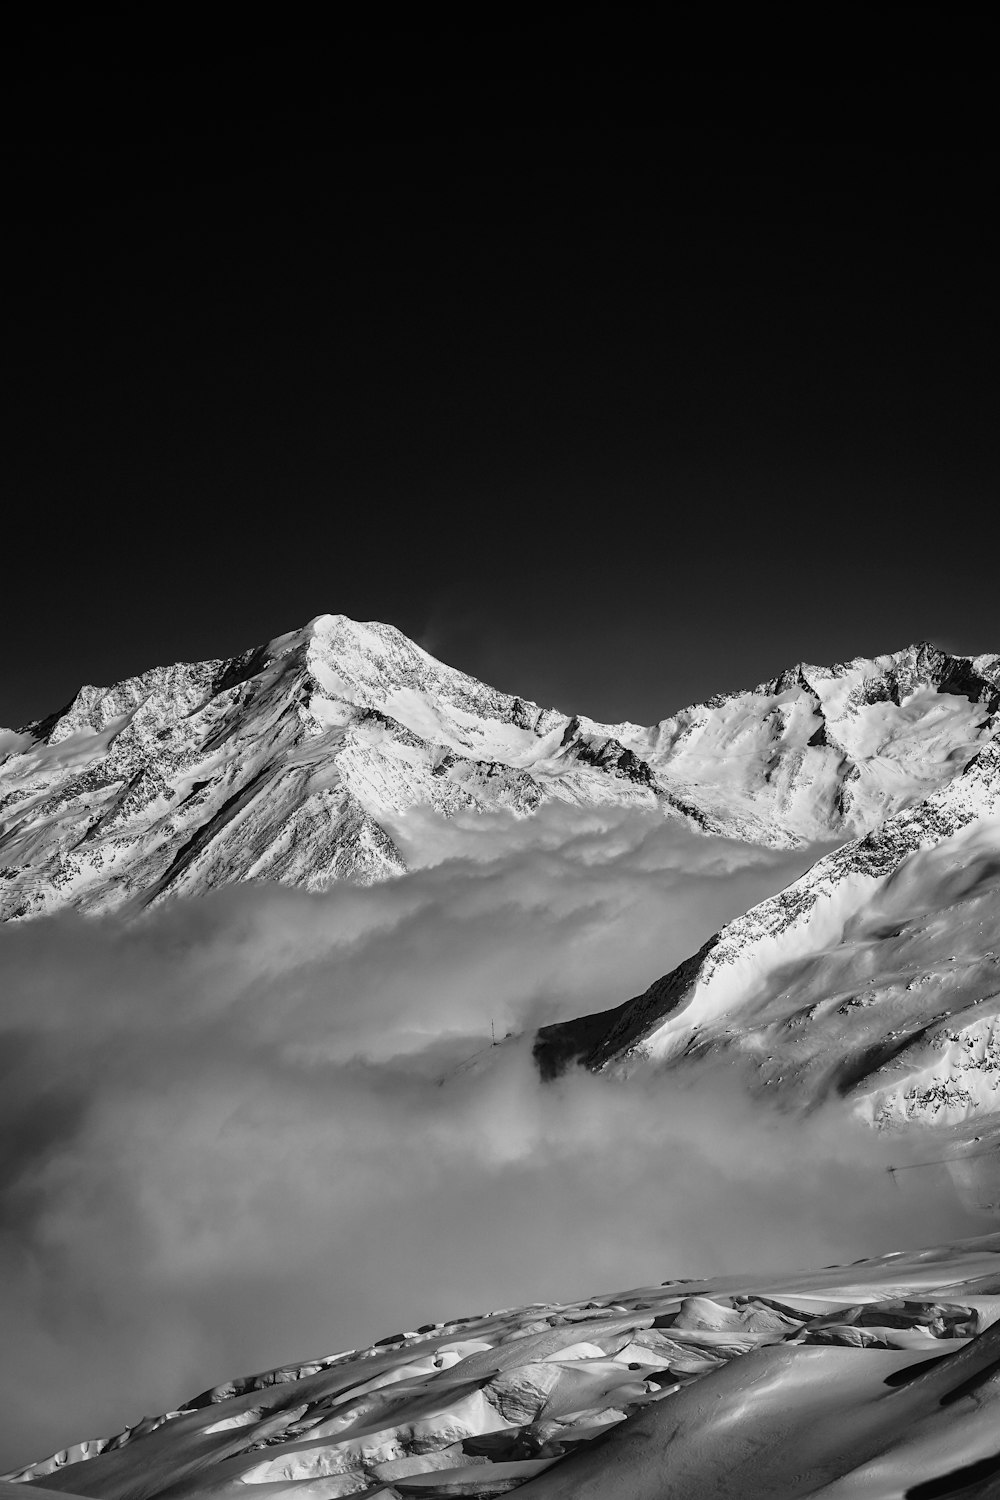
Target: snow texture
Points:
(879, 1378)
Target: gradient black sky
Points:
(614, 401)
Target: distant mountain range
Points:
(874, 978)
(291, 762)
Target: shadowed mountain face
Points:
(291, 762)
(882, 1377)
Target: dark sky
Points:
(613, 394)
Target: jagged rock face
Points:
(875, 977)
(741, 1387)
(290, 762)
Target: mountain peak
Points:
(292, 762)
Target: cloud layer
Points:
(262, 1126)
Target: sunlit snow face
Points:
(257, 1126)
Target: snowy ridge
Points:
(829, 750)
(871, 1378)
(875, 976)
(290, 762)
(276, 765)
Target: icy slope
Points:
(290, 763)
(876, 976)
(879, 1378)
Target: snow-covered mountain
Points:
(282, 764)
(878, 1378)
(291, 762)
(875, 977)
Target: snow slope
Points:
(277, 765)
(874, 977)
(881, 1378)
(290, 762)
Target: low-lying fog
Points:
(225, 1141)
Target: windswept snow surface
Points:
(880, 1379)
(291, 763)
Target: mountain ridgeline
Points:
(292, 762)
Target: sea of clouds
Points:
(267, 1125)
